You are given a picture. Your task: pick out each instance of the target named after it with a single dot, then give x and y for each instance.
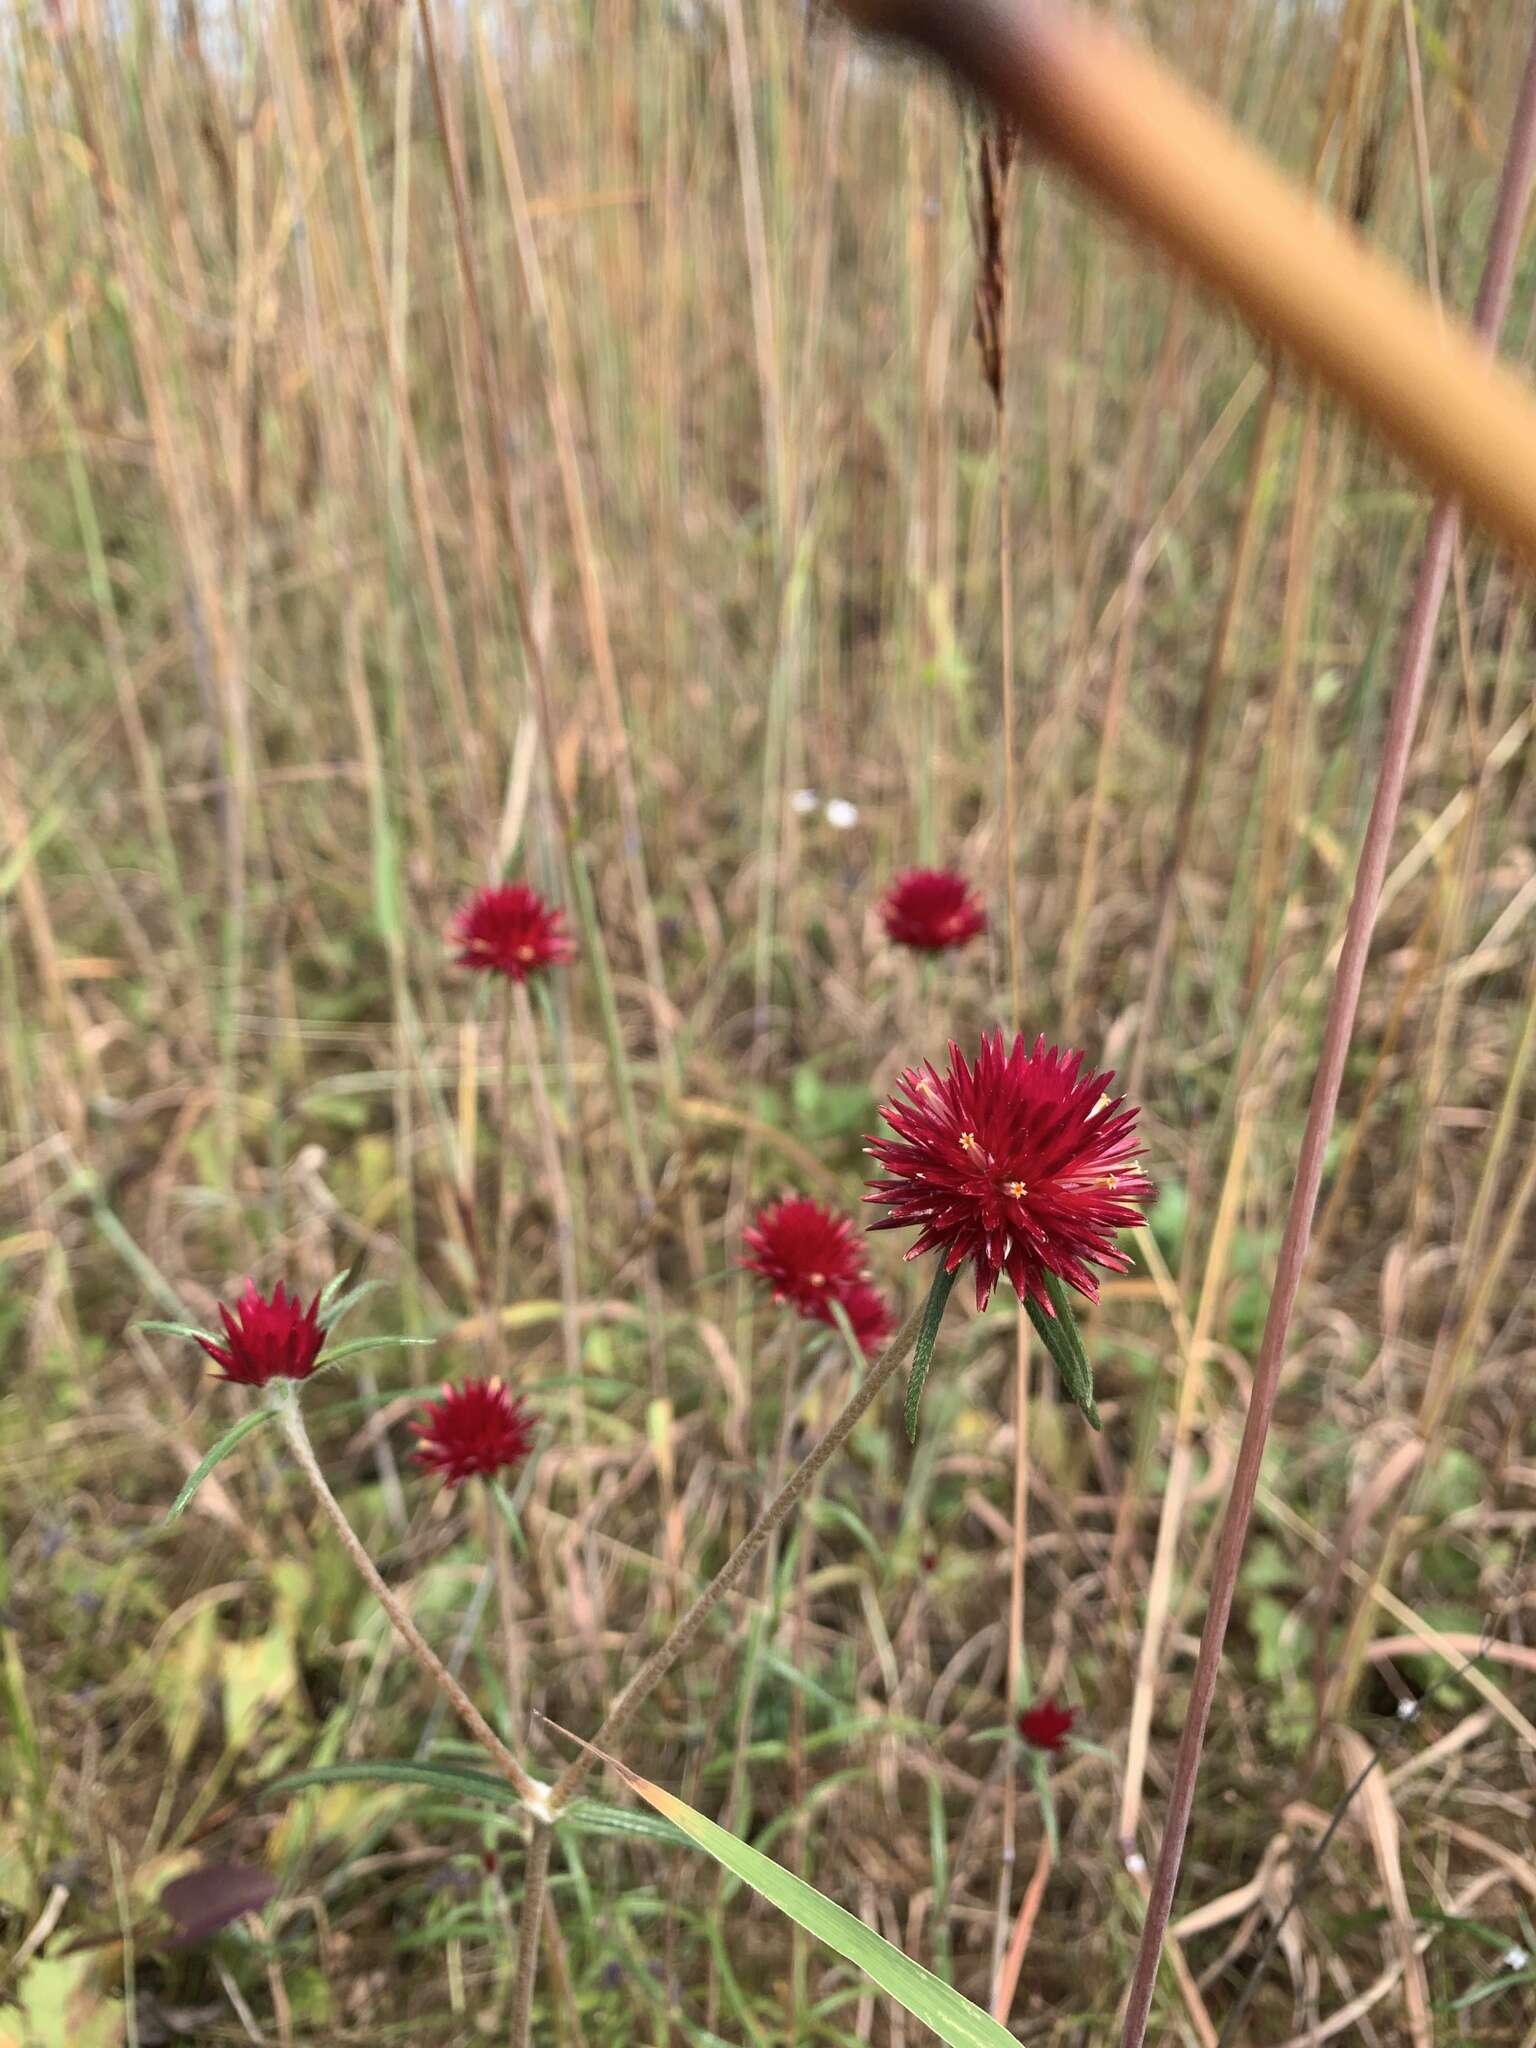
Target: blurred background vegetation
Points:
(561, 448)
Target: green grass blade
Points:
(928, 1998)
(220, 1451)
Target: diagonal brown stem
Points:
(660, 1661)
(532, 1794)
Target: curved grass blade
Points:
(927, 1337)
(226, 1443)
(937, 2005)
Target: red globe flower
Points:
(511, 930)
(1020, 1162)
(278, 1339)
(805, 1252)
(931, 910)
(476, 1429)
(869, 1315)
(1045, 1725)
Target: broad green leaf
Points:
(927, 1337)
(221, 1450)
(927, 1997)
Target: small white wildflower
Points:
(803, 802)
(1136, 1863)
(842, 816)
(1407, 1710)
(1516, 1958)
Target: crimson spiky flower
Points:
(1046, 1725)
(511, 930)
(1019, 1161)
(931, 910)
(276, 1339)
(476, 1429)
(869, 1315)
(806, 1253)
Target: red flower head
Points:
(477, 1428)
(931, 910)
(278, 1339)
(805, 1252)
(1020, 1162)
(1045, 1725)
(869, 1314)
(511, 930)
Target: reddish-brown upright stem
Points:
(1407, 694)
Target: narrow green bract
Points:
(221, 1449)
(1059, 1334)
(927, 1337)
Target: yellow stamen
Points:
(968, 1141)
(1014, 1188)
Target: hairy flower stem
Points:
(292, 1419)
(560, 1201)
(683, 1636)
(535, 1873)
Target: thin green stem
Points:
(660, 1662)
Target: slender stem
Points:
(292, 1418)
(504, 1154)
(1407, 694)
(499, 1543)
(660, 1662)
(560, 1202)
(535, 1873)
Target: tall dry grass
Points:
(549, 446)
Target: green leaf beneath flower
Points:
(1059, 1335)
(922, 1351)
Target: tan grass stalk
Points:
(1156, 153)
(468, 752)
(1180, 1471)
(555, 368)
